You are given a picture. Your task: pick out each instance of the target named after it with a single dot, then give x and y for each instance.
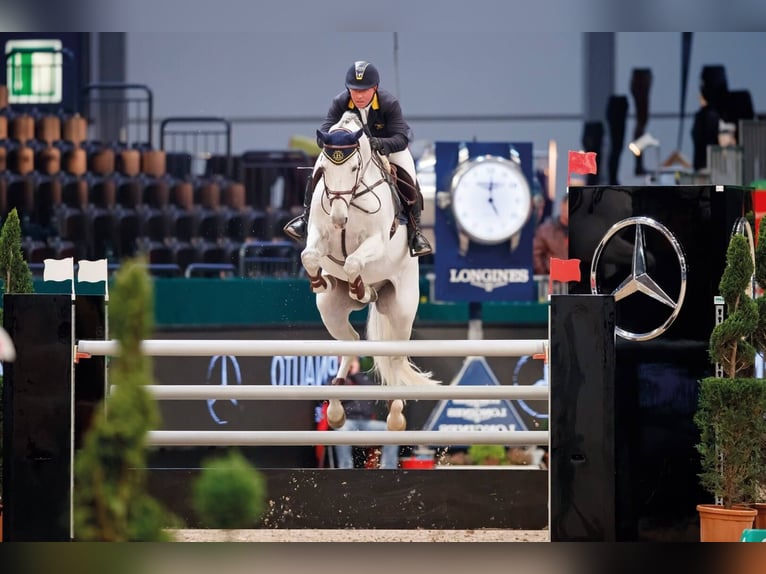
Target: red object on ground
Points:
(416, 463)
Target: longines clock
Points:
(491, 201)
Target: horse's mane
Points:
(348, 121)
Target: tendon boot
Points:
(297, 228)
(412, 200)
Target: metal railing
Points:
(117, 114)
(209, 145)
(269, 258)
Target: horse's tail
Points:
(393, 370)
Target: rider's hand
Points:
(377, 145)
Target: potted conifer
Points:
(732, 407)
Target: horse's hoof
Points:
(395, 420)
(352, 267)
(336, 414)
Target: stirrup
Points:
(296, 228)
(425, 247)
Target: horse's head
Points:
(345, 156)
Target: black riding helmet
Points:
(362, 76)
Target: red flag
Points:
(581, 162)
(563, 270)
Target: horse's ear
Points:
(322, 136)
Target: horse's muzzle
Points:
(340, 222)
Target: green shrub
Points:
(487, 454)
(111, 503)
(731, 411)
(731, 416)
(17, 278)
(730, 341)
(229, 493)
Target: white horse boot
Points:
(395, 421)
(336, 414)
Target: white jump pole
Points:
(311, 438)
(364, 392)
(265, 348)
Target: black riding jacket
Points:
(384, 119)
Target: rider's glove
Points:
(377, 145)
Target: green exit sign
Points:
(34, 73)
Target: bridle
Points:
(339, 154)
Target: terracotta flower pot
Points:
(719, 524)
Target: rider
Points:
(389, 134)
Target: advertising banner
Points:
(492, 262)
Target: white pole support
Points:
(311, 438)
(267, 348)
(343, 392)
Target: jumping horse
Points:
(356, 255)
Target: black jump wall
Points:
(38, 409)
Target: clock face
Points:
(491, 199)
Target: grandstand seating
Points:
(88, 198)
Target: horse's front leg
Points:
(310, 257)
(370, 250)
(396, 420)
(336, 414)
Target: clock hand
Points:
(490, 188)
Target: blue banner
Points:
(475, 415)
(485, 272)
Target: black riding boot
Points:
(297, 228)
(412, 200)
(418, 243)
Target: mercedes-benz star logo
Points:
(639, 280)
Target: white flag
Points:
(58, 269)
(92, 271)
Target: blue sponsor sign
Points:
(475, 415)
(484, 272)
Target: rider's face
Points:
(362, 98)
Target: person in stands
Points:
(551, 239)
(389, 134)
